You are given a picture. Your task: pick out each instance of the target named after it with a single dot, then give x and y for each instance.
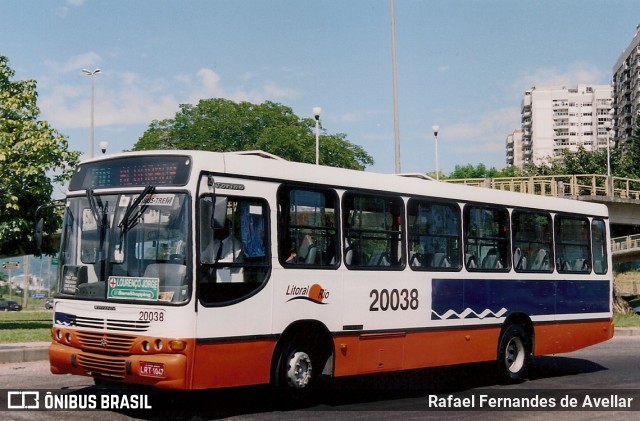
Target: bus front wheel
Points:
(297, 372)
(514, 354)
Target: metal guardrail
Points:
(561, 185)
(569, 186)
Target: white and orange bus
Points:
(193, 270)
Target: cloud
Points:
(211, 87)
(210, 82)
(273, 91)
(360, 116)
(128, 103)
(486, 123)
(486, 133)
(63, 11)
(125, 98)
(75, 63)
(577, 73)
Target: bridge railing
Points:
(625, 243)
(561, 185)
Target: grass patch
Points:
(626, 320)
(25, 326)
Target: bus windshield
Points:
(129, 246)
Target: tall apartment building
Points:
(626, 91)
(514, 148)
(557, 118)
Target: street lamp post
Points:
(316, 115)
(607, 127)
(394, 68)
(436, 129)
(91, 73)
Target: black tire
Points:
(297, 372)
(514, 354)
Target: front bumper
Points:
(166, 371)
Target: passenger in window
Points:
(226, 247)
(292, 257)
(307, 251)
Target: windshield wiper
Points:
(99, 212)
(94, 205)
(132, 214)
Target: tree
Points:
(222, 125)
(628, 163)
(570, 162)
(33, 156)
(481, 171)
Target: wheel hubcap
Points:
(514, 355)
(299, 370)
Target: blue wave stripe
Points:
(470, 298)
(65, 319)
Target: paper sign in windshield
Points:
(133, 288)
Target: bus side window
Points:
(532, 241)
(434, 235)
(487, 238)
(599, 246)
(307, 227)
(373, 227)
(573, 239)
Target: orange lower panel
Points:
(168, 371)
(371, 353)
(228, 364)
(360, 354)
(557, 338)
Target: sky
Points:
(463, 65)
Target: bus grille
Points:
(67, 319)
(102, 365)
(135, 325)
(105, 342)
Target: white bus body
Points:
(321, 270)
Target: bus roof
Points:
(263, 165)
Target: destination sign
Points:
(129, 288)
(138, 171)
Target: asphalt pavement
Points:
(38, 351)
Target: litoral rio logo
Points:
(314, 293)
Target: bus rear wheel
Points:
(514, 354)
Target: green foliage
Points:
(481, 171)
(33, 155)
(628, 163)
(221, 125)
(572, 162)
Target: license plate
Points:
(151, 369)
